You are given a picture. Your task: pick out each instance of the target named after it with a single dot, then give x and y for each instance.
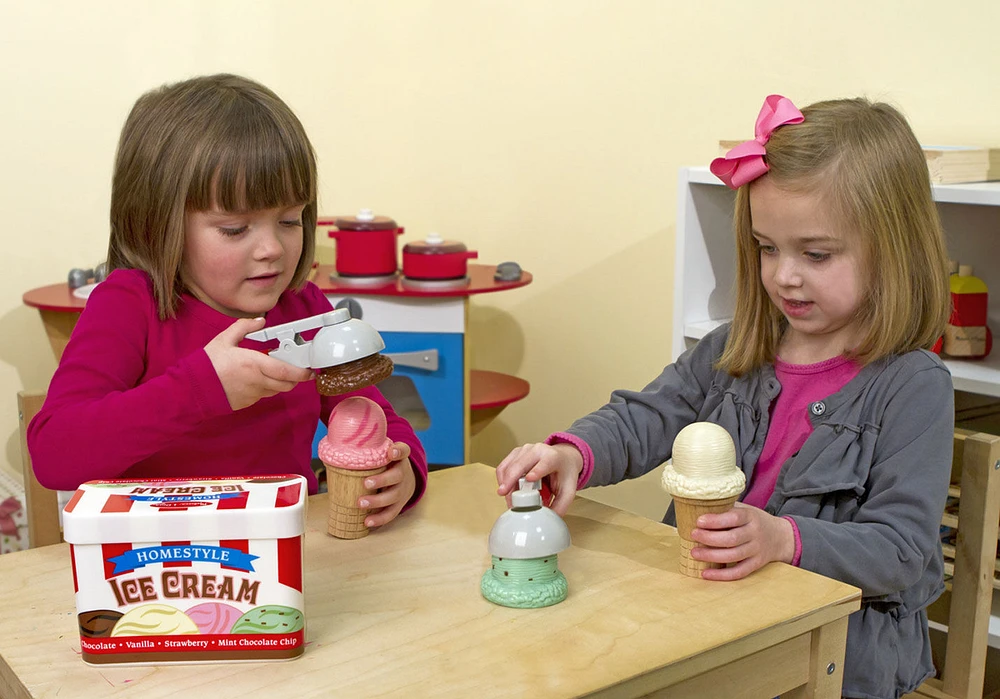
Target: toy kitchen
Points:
(420, 309)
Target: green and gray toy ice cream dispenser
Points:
(524, 544)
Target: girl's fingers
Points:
(539, 471)
(399, 451)
(278, 370)
(388, 477)
(562, 501)
(387, 505)
(378, 500)
(509, 466)
(509, 477)
(382, 517)
(237, 330)
(736, 572)
(726, 520)
(720, 538)
(724, 555)
(386, 497)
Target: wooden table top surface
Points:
(399, 613)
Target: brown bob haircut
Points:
(866, 164)
(218, 140)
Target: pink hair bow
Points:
(745, 162)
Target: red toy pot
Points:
(366, 244)
(436, 258)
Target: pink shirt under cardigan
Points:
(801, 386)
(137, 397)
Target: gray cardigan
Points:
(866, 490)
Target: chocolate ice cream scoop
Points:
(344, 353)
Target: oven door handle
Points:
(421, 359)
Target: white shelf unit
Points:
(705, 262)
(705, 267)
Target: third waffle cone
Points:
(687, 511)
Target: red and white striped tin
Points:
(188, 571)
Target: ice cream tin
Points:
(183, 570)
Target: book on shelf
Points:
(946, 164)
(994, 170)
(957, 164)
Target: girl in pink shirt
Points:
(213, 220)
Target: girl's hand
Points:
(248, 375)
(397, 485)
(536, 461)
(745, 536)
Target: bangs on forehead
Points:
(252, 162)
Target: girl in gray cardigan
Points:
(841, 418)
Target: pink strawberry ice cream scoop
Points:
(355, 437)
(214, 617)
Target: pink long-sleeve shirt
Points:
(137, 397)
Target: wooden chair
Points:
(975, 556)
(42, 504)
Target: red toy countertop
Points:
(58, 297)
(491, 389)
(54, 297)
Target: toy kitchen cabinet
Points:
(705, 269)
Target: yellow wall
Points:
(547, 132)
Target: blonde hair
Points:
(863, 159)
(218, 140)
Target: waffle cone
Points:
(345, 486)
(688, 510)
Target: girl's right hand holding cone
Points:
(559, 464)
(248, 375)
(745, 538)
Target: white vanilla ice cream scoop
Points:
(703, 466)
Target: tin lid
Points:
(181, 509)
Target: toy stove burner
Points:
(363, 280)
(436, 284)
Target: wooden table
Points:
(399, 614)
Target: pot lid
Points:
(364, 221)
(434, 245)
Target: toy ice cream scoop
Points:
(524, 545)
(354, 448)
(702, 478)
(345, 352)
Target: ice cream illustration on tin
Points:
(703, 478)
(154, 620)
(214, 617)
(354, 448)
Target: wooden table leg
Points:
(826, 663)
(40, 503)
